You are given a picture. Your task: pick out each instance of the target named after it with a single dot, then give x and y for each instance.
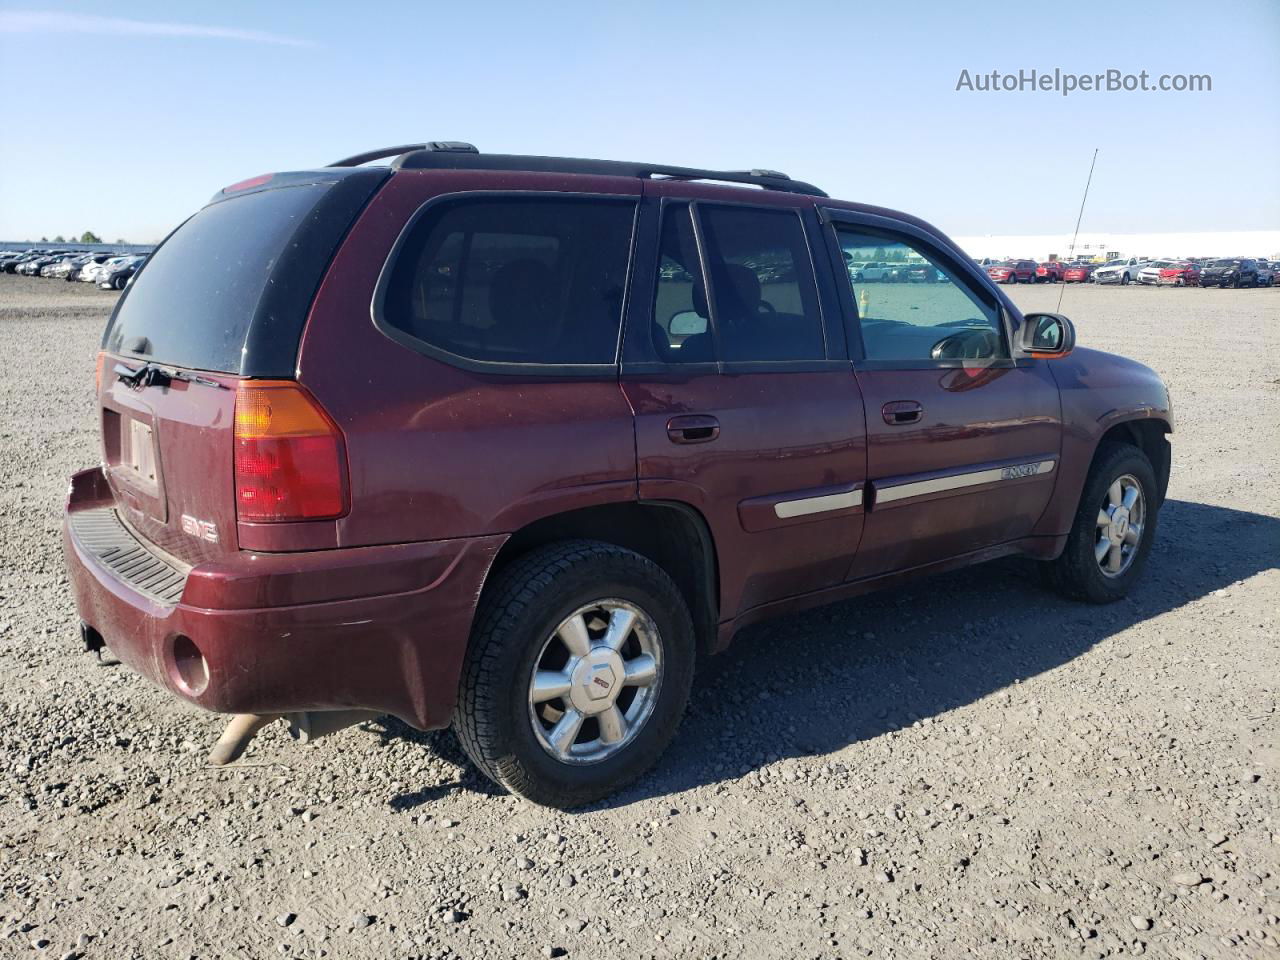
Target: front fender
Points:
(1099, 391)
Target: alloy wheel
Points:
(595, 681)
(1120, 522)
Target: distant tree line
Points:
(87, 237)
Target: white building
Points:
(1099, 246)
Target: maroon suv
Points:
(506, 442)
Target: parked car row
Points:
(1203, 272)
(110, 271)
(903, 271)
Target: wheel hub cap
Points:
(1119, 526)
(597, 679)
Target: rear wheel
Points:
(578, 672)
(1113, 529)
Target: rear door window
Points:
(681, 318)
(512, 280)
(764, 298)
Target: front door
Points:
(744, 407)
(962, 439)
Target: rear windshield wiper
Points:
(154, 375)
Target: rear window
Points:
(193, 303)
(518, 280)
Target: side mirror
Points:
(1047, 335)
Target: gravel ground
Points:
(968, 766)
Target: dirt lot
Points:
(969, 766)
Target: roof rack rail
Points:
(429, 158)
(443, 146)
(456, 155)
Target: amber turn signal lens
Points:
(290, 462)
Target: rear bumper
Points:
(377, 628)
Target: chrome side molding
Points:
(958, 481)
(787, 509)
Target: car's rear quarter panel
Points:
(438, 452)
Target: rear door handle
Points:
(899, 412)
(693, 428)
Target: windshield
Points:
(1225, 263)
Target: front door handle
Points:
(693, 428)
(899, 412)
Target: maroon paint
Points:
(374, 609)
(1012, 415)
(288, 632)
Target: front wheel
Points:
(577, 674)
(1113, 529)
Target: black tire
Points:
(1076, 573)
(517, 613)
(1124, 279)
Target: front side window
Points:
(522, 280)
(921, 310)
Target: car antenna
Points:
(1079, 217)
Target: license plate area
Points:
(141, 453)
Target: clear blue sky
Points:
(124, 119)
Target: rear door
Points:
(743, 404)
(225, 296)
(963, 441)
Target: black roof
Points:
(455, 155)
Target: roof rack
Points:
(455, 155)
(439, 146)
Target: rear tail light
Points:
(97, 372)
(289, 458)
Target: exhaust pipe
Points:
(304, 727)
(236, 737)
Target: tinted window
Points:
(765, 305)
(681, 333)
(194, 302)
(515, 280)
(923, 312)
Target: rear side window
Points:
(520, 280)
(193, 303)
